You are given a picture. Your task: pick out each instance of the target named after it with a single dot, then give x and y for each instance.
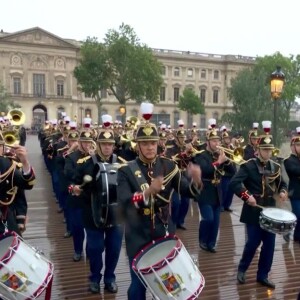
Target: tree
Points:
(92, 72)
(121, 64)
(190, 102)
(250, 93)
(5, 102)
(135, 73)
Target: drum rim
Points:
(278, 209)
(13, 246)
(161, 263)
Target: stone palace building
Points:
(36, 68)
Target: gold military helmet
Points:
(266, 140)
(146, 131)
(106, 135)
(86, 133)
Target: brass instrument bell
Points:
(16, 117)
(275, 152)
(11, 138)
(236, 155)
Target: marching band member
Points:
(292, 167)
(161, 148)
(255, 183)
(103, 233)
(213, 163)
(74, 204)
(181, 153)
(14, 178)
(250, 149)
(144, 191)
(227, 194)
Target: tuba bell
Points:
(16, 117)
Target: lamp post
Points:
(277, 82)
(122, 110)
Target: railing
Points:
(167, 52)
(47, 96)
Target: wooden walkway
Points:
(45, 231)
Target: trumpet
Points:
(236, 155)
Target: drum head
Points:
(155, 253)
(278, 214)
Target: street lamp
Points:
(277, 82)
(122, 110)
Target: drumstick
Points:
(260, 206)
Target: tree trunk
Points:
(99, 106)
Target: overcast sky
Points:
(250, 28)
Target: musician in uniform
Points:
(13, 177)
(74, 204)
(213, 163)
(144, 191)
(250, 149)
(255, 183)
(100, 217)
(292, 167)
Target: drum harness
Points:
(268, 180)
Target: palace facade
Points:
(36, 68)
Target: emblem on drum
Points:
(17, 281)
(171, 283)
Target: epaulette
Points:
(83, 160)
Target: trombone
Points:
(235, 156)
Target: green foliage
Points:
(190, 102)
(5, 102)
(135, 73)
(92, 71)
(251, 96)
(122, 64)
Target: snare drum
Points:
(24, 272)
(168, 270)
(277, 220)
